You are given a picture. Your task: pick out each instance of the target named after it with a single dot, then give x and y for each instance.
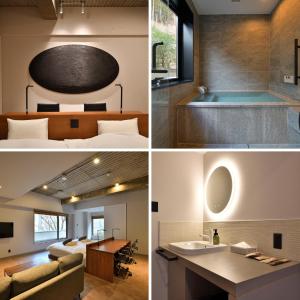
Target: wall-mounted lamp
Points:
(26, 104)
(121, 100)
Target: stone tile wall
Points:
(235, 52)
(285, 27)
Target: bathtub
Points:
(245, 119)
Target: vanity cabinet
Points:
(185, 284)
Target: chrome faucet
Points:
(208, 236)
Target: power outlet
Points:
(277, 240)
(289, 79)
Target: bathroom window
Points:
(172, 43)
(165, 33)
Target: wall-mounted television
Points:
(6, 230)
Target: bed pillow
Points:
(67, 241)
(71, 244)
(41, 107)
(71, 107)
(95, 107)
(28, 129)
(119, 127)
(82, 238)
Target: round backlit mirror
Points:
(218, 190)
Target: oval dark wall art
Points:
(74, 69)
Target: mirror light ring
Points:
(228, 210)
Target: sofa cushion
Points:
(5, 285)
(69, 261)
(25, 280)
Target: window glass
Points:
(98, 227)
(164, 29)
(49, 227)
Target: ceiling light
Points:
(96, 161)
(74, 199)
(117, 184)
(82, 7)
(61, 9)
(64, 178)
(45, 187)
(108, 174)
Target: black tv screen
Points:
(6, 230)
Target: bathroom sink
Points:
(196, 247)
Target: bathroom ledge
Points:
(233, 272)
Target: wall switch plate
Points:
(154, 206)
(277, 240)
(289, 79)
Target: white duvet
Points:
(59, 249)
(106, 140)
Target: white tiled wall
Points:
(260, 233)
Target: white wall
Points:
(115, 217)
(120, 31)
(269, 184)
(80, 225)
(137, 214)
(20, 212)
(177, 186)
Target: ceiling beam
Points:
(133, 185)
(47, 9)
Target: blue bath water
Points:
(238, 97)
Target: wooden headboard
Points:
(60, 123)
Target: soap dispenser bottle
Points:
(216, 238)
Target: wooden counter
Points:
(100, 257)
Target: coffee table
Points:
(10, 271)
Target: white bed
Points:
(106, 140)
(59, 249)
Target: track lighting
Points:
(82, 7)
(61, 8)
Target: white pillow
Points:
(28, 129)
(119, 127)
(71, 107)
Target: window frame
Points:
(185, 21)
(95, 218)
(57, 215)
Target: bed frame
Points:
(74, 125)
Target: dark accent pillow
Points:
(95, 107)
(82, 238)
(41, 107)
(67, 241)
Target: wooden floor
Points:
(135, 287)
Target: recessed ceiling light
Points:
(117, 184)
(108, 174)
(96, 161)
(45, 187)
(64, 178)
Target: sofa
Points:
(58, 280)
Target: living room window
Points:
(49, 226)
(98, 227)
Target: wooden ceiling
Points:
(88, 3)
(87, 179)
